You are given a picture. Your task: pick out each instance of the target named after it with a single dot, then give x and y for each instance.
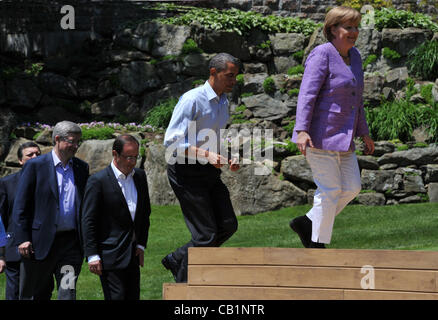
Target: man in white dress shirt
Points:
(115, 222)
(204, 198)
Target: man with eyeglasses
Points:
(8, 188)
(115, 222)
(46, 218)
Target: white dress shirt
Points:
(129, 191)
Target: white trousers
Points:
(337, 177)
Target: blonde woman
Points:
(330, 114)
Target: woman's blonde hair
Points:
(339, 15)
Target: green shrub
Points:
(289, 146)
(160, 115)
(391, 18)
(246, 94)
(426, 93)
(198, 82)
(390, 54)
(298, 55)
(241, 22)
(269, 85)
(370, 59)
(393, 120)
(240, 80)
(293, 92)
(97, 133)
(299, 69)
(421, 145)
(264, 45)
(402, 147)
(190, 46)
(423, 61)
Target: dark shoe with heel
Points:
(171, 264)
(317, 245)
(303, 227)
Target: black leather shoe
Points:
(303, 227)
(317, 245)
(171, 264)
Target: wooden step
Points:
(310, 274)
(272, 293)
(394, 259)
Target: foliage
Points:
(240, 80)
(269, 85)
(393, 119)
(190, 46)
(397, 120)
(264, 45)
(299, 55)
(238, 21)
(299, 69)
(391, 18)
(198, 82)
(370, 59)
(160, 115)
(290, 127)
(34, 69)
(293, 92)
(390, 54)
(102, 133)
(423, 60)
(358, 4)
(289, 146)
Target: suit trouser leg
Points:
(122, 284)
(207, 209)
(12, 280)
(64, 262)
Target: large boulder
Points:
(287, 43)
(155, 166)
(169, 40)
(253, 82)
(371, 199)
(296, 168)
(97, 153)
(57, 85)
(404, 40)
(22, 91)
(223, 41)
(252, 193)
(138, 76)
(7, 123)
(265, 107)
(415, 156)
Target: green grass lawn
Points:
(401, 227)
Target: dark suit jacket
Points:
(36, 205)
(8, 187)
(106, 221)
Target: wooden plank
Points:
(387, 295)
(261, 293)
(290, 276)
(174, 291)
(394, 259)
(226, 255)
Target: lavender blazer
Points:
(330, 102)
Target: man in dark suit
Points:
(8, 187)
(115, 222)
(46, 217)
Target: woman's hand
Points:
(369, 145)
(303, 140)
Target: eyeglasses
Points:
(130, 158)
(72, 142)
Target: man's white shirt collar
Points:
(119, 174)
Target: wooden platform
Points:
(310, 274)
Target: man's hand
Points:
(26, 249)
(140, 254)
(234, 164)
(95, 267)
(369, 145)
(216, 159)
(2, 265)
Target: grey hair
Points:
(219, 61)
(64, 129)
